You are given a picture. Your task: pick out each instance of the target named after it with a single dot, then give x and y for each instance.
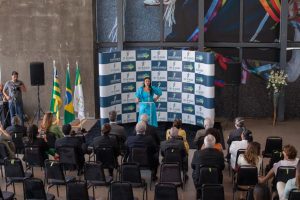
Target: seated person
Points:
(5, 139)
(208, 156)
(106, 141)
(72, 141)
(251, 156)
(291, 184)
(199, 138)
(289, 159)
(16, 126)
(236, 145)
(214, 132)
(175, 143)
(178, 124)
(34, 140)
(150, 130)
(141, 140)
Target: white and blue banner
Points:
(186, 79)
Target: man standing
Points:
(13, 93)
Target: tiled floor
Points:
(261, 128)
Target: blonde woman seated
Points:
(181, 134)
(251, 156)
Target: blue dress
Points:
(147, 105)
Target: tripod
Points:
(37, 113)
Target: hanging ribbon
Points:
(269, 10)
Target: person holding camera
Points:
(13, 92)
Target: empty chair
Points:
(212, 192)
(77, 190)
(273, 143)
(3, 154)
(34, 189)
(120, 190)
(294, 194)
(170, 173)
(94, 176)
(6, 195)
(54, 175)
(246, 178)
(14, 172)
(33, 157)
(130, 172)
(165, 191)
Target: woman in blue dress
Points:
(145, 95)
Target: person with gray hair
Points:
(116, 130)
(16, 127)
(207, 123)
(208, 156)
(144, 141)
(150, 130)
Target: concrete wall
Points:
(47, 30)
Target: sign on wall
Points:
(186, 79)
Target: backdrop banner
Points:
(186, 79)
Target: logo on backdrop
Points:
(128, 87)
(174, 76)
(161, 106)
(174, 86)
(143, 65)
(143, 55)
(159, 76)
(174, 97)
(173, 116)
(128, 66)
(189, 109)
(174, 107)
(174, 66)
(175, 55)
(188, 88)
(160, 84)
(128, 108)
(159, 65)
(128, 77)
(188, 67)
(188, 98)
(128, 55)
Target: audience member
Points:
(181, 134)
(235, 135)
(106, 141)
(48, 126)
(5, 139)
(173, 142)
(236, 145)
(215, 132)
(116, 129)
(289, 159)
(261, 192)
(208, 156)
(71, 141)
(199, 138)
(150, 130)
(291, 184)
(34, 140)
(251, 156)
(4, 115)
(16, 127)
(141, 140)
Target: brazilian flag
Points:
(69, 115)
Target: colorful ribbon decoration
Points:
(268, 7)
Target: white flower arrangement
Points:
(277, 79)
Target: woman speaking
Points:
(145, 95)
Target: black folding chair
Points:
(276, 157)
(68, 157)
(106, 156)
(77, 190)
(3, 154)
(207, 175)
(120, 190)
(130, 172)
(246, 178)
(170, 173)
(94, 176)
(7, 195)
(34, 189)
(285, 173)
(273, 143)
(54, 175)
(165, 191)
(33, 157)
(294, 194)
(212, 192)
(17, 139)
(14, 172)
(238, 153)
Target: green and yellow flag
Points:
(69, 115)
(56, 101)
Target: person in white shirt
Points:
(236, 145)
(251, 156)
(289, 159)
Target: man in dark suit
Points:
(106, 141)
(116, 129)
(142, 140)
(151, 130)
(72, 141)
(208, 156)
(16, 127)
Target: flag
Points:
(78, 95)
(56, 101)
(69, 115)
